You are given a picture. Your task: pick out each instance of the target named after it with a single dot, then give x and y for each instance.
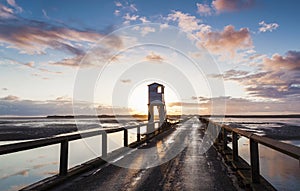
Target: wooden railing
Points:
(288, 149)
(65, 139)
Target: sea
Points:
(20, 169)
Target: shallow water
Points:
(279, 169)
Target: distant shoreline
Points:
(145, 116)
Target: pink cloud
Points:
(291, 61)
(277, 77)
(227, 41)
(29, 64)
(154, 57)
(89, 60)
(70, 62)
(32, 37)
(35, 37)
(231, 5)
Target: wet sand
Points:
(13, 133)
(21, 133)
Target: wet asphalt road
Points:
(169, 162)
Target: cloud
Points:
(6, 12)
(129, 13)
(126, 81)
(14, 105)
(227, 41)
(130, 17)
(231, 5)
(15, 5)
(291, 61)
(69, 62)
(127, 8)
(64, 98)
(231, 74)
(144, 20)
(45, 13)
(118, 4)
(154, 57)
(117, 12)
(282, 73)
(278, 77)
(10, 98)
(133, 7)
(4, 89)
(184, 104)
(29, 64)
(267, 27)
(144, 30)
(219, 6)
(98, 56)
(33, 66)
(34, 37)
(204, 10)
(185, 21)
(163, 26)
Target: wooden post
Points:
(254, 158)
(220, 136)
(104, 144)
(125, 138)
(138, 134)
(64, 152)
(235, 150)
(213, 130)
(224, 139)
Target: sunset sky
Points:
(45, 44)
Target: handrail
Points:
(285, 148)
(63, 140)
(288, 149)
(27, 145)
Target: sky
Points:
(213, 56)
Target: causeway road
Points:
(173, 160)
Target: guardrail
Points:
(65, 139)
(288, 149)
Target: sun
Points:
(138, 100)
